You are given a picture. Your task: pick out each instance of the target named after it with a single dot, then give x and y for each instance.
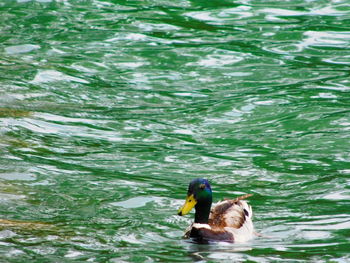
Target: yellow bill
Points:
(187, 207)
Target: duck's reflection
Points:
(216, 250)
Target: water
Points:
(109, 108)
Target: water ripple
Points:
(109, 109)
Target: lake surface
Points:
(109, 108)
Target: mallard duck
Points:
(229, 220)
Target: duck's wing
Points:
(231, 213)
(235, 216)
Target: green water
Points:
(109, 108)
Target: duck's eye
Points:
(202, 186)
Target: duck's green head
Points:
(199, 195)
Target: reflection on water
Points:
(218, 251)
